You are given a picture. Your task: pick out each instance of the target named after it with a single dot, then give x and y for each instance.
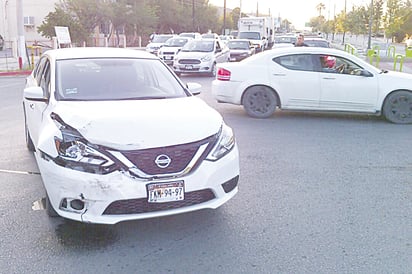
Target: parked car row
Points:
(192, 52)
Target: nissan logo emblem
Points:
(163, 161)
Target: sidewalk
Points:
(388, 64)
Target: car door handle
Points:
(31, 105)
(329, 78)
(279, 74)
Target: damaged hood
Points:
(138, 124)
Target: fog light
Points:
(231, 184)
(77, 204)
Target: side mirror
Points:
(194, 88)
(218, 50)
(365, 73)
(34, 94)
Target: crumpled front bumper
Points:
(99, 193)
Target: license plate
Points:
(232, 59)
(166, 192)
(168, 57)
(189, 67)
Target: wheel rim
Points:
(401, 108)
(259, 102)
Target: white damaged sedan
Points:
(117, 136)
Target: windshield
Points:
(238, 44)
(161, 38)
(115, 79)
(199, 46)
(285, 39)
(317, 43)
(176, 42)
(249, 35)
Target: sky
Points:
(298, 12)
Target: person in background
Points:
(300, 42)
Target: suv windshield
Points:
(199, 45)
(249, 35)
(238, 44)
(161, 38)
(176, 42)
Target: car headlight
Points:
(224, 145)
(206, 58)
(76, 153)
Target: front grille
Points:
(189, 61)
(188, 69)
(168, 53)
(136, 206)
(180, 156)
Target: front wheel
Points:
(397, 107)
(259, 102)
(49, 208)
(29, 141)
(213, 70)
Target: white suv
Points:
(172, 46)
(157, 42)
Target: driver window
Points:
(339, 65)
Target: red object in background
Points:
(20, 63)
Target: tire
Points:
(213, 71)
(259, 102)
(49, 208)
(29, 141)
(397, 107)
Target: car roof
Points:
(315, 38)
(97, 52)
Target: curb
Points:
(15, 73)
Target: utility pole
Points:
(370, 25)
(224, 17)
(193, 15)
(344, 29)
(21, 47)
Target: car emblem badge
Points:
(163, 161)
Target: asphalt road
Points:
(318, 193)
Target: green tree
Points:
(393, 20)
(377, 15)
(62, 17)
(235, 15)
(319, 8)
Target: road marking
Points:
(20, 172)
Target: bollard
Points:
(408, 52)
(391, 51)
(401, 59)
